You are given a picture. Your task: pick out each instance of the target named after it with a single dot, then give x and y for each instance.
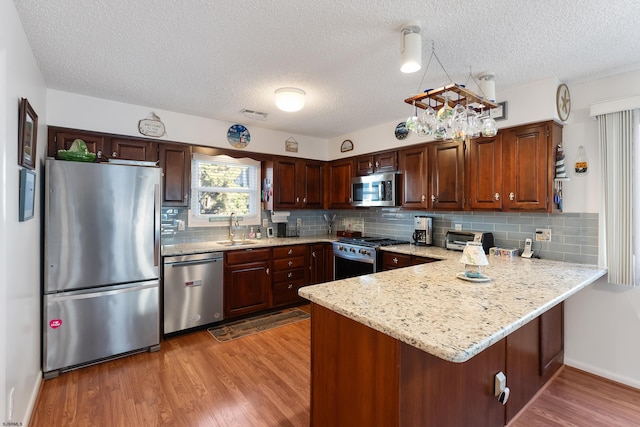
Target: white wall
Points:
(83, 112)
(20, 242)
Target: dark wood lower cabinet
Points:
(247, 281)
(363, 377)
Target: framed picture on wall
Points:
(27, 194)
(27, 135)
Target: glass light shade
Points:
(411, 52)
(290, 99)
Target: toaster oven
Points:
(457, 239)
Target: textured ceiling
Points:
(213, 58)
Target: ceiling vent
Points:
(254, 115)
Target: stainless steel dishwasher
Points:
(192, 291)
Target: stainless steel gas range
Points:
(356, 256)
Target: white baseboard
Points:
(32, 399)
(631, 382)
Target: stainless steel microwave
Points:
(381, 189)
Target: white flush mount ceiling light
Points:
(411, 48)
(290, 99)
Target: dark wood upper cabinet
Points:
(447, 175)
(415, 180)
(484, 179)
(528, 169)
(297, 184)
(338, 188)
(133, 149)
(376, 163)
(175, 161)
(62, 140)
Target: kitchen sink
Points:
(235, 243)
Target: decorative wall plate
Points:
(347, 145)
(401, 131)
(238, 136)
(563, 102)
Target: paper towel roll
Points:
(279, 217)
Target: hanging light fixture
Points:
(411, 48)
(290, 99)
(454, 111)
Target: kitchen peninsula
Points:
(418, 347)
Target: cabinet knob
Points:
(290, 263)
(186, 196)
(370, 164)
(114, 154)
(268, 270)
(304, 200)
(433, 198)
(395, 260)
(297, 199)
(290, 287)
(289, 275)
(424, 197)
(377, 164)
(313, 254)
(497, 196)
(290, 251)
(512, 196)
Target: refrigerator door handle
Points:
(110, 290)
(156, 227)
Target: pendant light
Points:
(290, 99)
(411, 48)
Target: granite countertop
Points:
(203, 247)
(427, 307)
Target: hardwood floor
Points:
(263, 380)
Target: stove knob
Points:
(352, 250)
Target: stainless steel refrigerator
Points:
(101, 262)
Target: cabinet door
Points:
(485, 173)
(413, 167)
(62, 140)
(133, 149)
(447, 175)
(551, 341)
(318, 264)
(284, 184)
(527, 182)
(312, 176)
(338, 190)
(246, 288)
(386, 162)
(175, 161)
(364, 165)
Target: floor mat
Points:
(253, 325)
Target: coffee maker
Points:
(423, 231)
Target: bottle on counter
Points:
(258, 234)
(252, 235)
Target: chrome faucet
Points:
(232, 226)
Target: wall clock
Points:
(563, 102)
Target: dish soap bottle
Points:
(252, 235)
(258, 234)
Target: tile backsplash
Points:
(574, 236)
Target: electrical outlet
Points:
(458, 227)
(298, 222)
(265, 222)
(180, 224)
(543, 235)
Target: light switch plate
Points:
(265, 222)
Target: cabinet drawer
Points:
(284, 276)
(287, 292)
(289, 251)
(247, 255)
(288, 264)
(392, 260)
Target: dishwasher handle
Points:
(201, 261)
